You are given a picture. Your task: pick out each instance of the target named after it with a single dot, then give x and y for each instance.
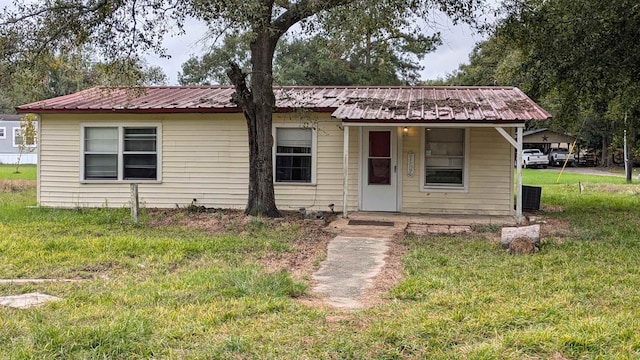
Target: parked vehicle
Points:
(587, 158)
(557, 157)
(534, 158)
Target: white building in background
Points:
(10, 139)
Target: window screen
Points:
(444, 157)
(115, 153)
(293, 155)
(101, 153)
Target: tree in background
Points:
(578, 59)
(124, 29)
(375, 50)
(586, 53)
(59, 73)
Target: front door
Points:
(379, 165)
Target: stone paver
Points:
(430, 229)
(26, 301)
(36, 281)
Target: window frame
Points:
(13, 139)
(3, 133)
(314, 155)
(120, 152)
(464, 187)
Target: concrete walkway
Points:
(351, 265)
(354, 258)
(357, 255)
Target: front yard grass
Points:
(25, 172)
(170, 291)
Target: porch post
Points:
(345, 169)
(519, 217)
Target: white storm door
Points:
(379, 166)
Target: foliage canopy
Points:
(123, 30)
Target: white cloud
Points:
(458, 42)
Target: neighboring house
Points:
(10, 140)
(437, 150)
(545, 140)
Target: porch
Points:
(412, 168)
(392, 225)
(433, 219)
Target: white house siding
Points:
(329, 164)
(204, 157)
(490, 173)
(198, 162)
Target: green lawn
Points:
(177, 292)
(27, 172)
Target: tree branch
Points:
(302, 10)
(242, 97)
(81, 8)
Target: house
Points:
(545, 139)
(10, 139)
(430, 150)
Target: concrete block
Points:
(511, 233)
(26, 301)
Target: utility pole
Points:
(628, 169)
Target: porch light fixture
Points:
(405, 131)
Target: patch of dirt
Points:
(210, 220)
(98, 270)
(555, 228)
(627, 189)
(551, 208)
(309, 251)
(309, 248)
(389, 276)
(17, 185)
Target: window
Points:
(17, 138)
(293, 155)
(3, 133)
(120, 153)
(444, 165)
(379, 158)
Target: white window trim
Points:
(3, 135)
(120, 126)
(314, 154)
(13, 139)
(13, 136)
(465, 170)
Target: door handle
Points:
(395, 168)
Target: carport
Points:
(545, 139)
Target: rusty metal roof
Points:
(351, 104)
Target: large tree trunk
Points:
(605, 160)
(258, 111)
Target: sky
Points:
(458, 41)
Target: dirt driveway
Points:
(586, 171)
